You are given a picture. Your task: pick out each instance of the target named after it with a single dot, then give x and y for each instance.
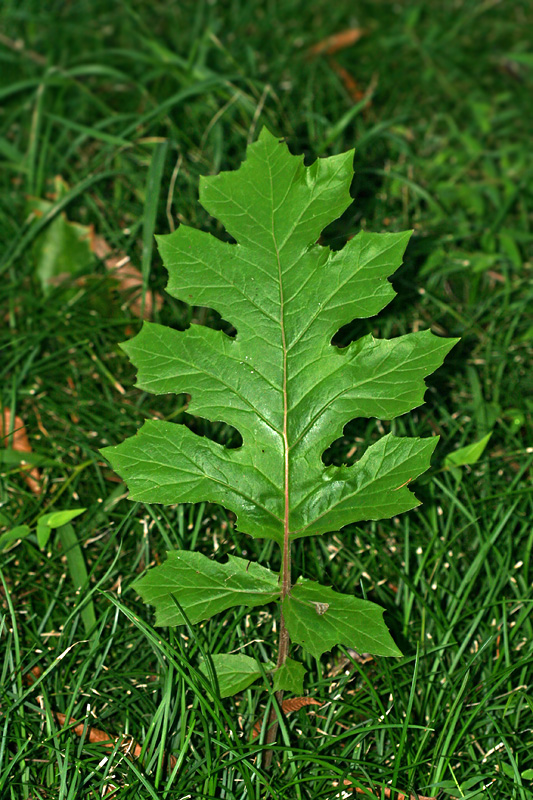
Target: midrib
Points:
(286, 498)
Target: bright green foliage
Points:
(282, 384)
(204, 587)
(467, 455)
(45, 525)
(287, 296)
(56, 519)
(236, 672)
(19, 532)
(319, 618)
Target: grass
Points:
(130, 102)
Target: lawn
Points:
(110, 113)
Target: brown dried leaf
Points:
(296, 703)
(386, 792)
(18, 440)
(99, 246)
(339, 41)
(288, 706)
(350, 84)
(389, 794)
(96, 736)
(30, 677)
(129, 277)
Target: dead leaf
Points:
(96, 736)
(288, 706)
(72, 387)
(296, 703)
(33, 675)
(129, 277)
(350, 84)
(389, 794)
(18, 440)
(99, 246)
(386, 792)
(339, 41)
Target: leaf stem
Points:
(284, 640)
(283, 648)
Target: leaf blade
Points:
(235, 672)
(470, 454)
(289, 677)
(204, 587)
(319, 618)
(280, 382)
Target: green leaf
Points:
(507, 769)
(235, 673)
(78, 573)
(63, 248)
(58, 518)
(43, 533)
(280, 382)
(16, 457)
(290, 677)
(467, 455)
(521, 58)
(319, 618)
(20, 532)
(48, 522)
(204, 587)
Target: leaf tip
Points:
(266, 135)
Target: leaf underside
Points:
(280, 381)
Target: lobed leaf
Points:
(204, 587)
(280, 381)
(319, 618)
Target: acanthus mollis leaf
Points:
(280, 381)
(204, 587)
(318, 618)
